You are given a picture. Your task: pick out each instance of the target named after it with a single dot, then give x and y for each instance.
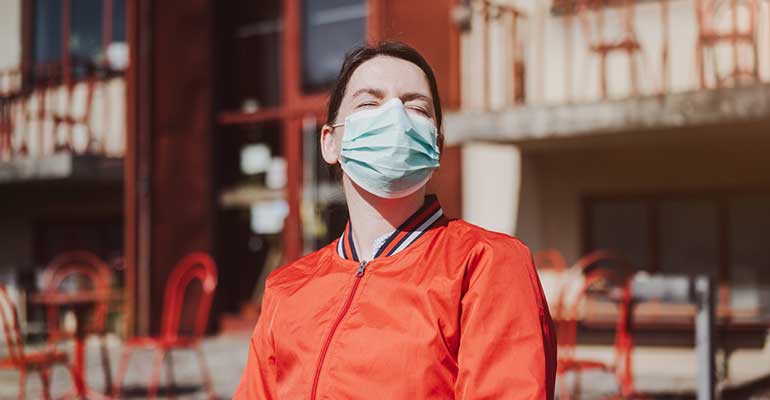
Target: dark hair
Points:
(361, 54)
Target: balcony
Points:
(581, 67)
(54, 126)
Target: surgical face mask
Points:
(387, 151)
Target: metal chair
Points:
(570, 311)
(593, 19)
(194, 267)
(551, 259)
(720, 23)
(93, 272)
(40, 361)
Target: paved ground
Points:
(667, 373)
(225, 356)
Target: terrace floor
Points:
(665, 373)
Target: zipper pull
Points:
(361, 268)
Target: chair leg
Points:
(125, 358)
(157, 363)
(564, 389)
(71, 369)
(106, 363)
(578, 388)
(45, 379)
(205, 373)
(22, 383)
(170, 375)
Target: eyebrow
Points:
(378, 93)
(416, 96)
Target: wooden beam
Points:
(129, 172)
(181, 184)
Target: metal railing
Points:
(607, 49)
(45, 111)
(502, 68)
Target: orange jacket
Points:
(445, 310)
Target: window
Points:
(251, 54)
(622, 226)
(688, 237)
(256, 121)
(722, 235)
(749, 229)
(330, 28)
(87, 46)
(47, 41)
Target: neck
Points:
(373, 217)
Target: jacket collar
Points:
(406, 234)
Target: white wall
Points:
(10, 33)
(491, 182)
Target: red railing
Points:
(725, 50)
(493, 17)
(45, 111)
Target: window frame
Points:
(294, 105)
(28, 65)
(652, 200)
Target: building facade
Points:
(146, 130)
(643, 130)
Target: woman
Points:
(406, 304)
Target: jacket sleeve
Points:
(507, 340)
(259, 376)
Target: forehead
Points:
(393, 75)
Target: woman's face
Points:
(372, 84)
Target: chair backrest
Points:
(601, 258)
(550, 259)
(728, 29)
(571, 305)
(199, 267)
(595, 15)
(11, 331)
(83, 265)
(571, 311)
(724, 17)
(570, 279)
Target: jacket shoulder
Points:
(482, 239)
(288, 273)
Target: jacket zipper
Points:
(345, 307)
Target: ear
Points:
(331, 144)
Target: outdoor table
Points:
(81, 303)
(675, 289)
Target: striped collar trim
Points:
(406, 234)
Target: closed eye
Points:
(367, 104)
(420, 110)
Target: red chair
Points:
(594, 19)
(88, 273)
(550, 259)
(570, 311)
(732, 26)
(40, 361)
(196, 266)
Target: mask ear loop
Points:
(336, 125)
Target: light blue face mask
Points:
(387, 151)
